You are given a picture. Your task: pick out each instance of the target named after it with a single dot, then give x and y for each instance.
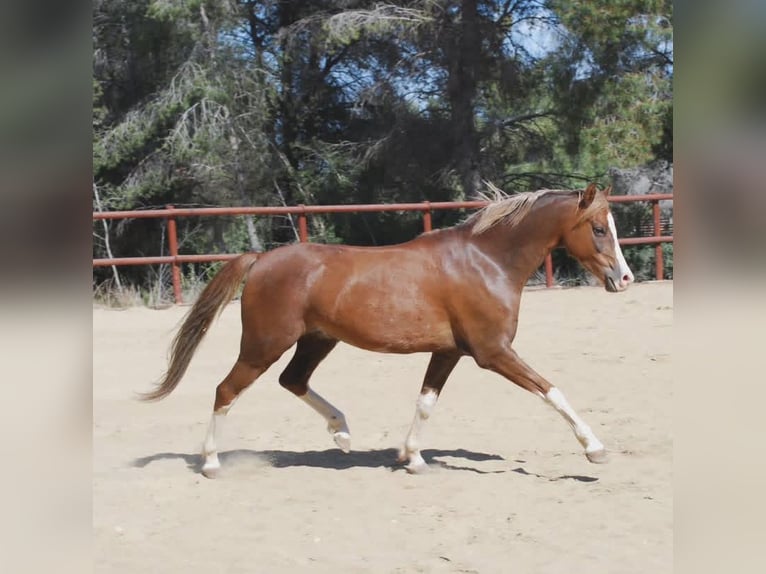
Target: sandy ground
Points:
(509, 489)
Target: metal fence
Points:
(303, 212)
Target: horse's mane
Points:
(512, 209)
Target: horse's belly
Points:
(382, 339)
(390, 330)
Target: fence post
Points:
(427, 218)
(548, 270)
(303, 227)
(659, 265)
(173, 246)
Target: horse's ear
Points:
(607, 191)
(588, 196)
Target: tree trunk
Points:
(252, 234)
(107, 242)
(287, 105)
(464, 60)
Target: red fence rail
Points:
(170, 213)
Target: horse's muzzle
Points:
(614, 285)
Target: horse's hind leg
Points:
(439, 368)
(309, 352)
(255, 357)
(241, 376)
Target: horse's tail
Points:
(208, 306)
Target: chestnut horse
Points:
(451, 292)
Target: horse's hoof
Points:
(343, 440)
(597, 456)
(419, 467)
(415, 463)
(210, 471)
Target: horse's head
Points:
(593, 241)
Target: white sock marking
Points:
(336, 420)
(210, 447)
(582, 431)
(623, 265)
(424, 408)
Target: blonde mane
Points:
(512, 209)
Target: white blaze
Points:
(623, 265)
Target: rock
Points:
(655, 177)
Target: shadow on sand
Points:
(338, 460)
(330, 458)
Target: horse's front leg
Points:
(508, 364)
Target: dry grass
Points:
(157, 294)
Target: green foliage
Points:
(629, 124)
(667, 260)
(640, 259)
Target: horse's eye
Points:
(599, 231)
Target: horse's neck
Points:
(522, 248)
